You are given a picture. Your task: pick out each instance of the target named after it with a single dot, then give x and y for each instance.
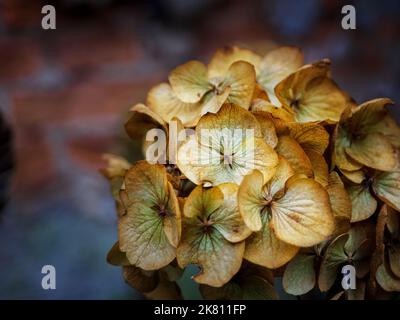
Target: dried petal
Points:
(149, 231)
(189, 81)
(299, 276)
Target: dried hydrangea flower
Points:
(367, 135)
(312, 95)
(227, 152)
(275, 66)
(374, 184)
(285, 212)
(191, 84)
(213, 234)
(252, 282)
(303, 145)
(149, 232)
(350, 248)
(292, 192)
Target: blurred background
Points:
(65, 94)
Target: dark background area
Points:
(66, 93)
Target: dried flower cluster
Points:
(317, 186)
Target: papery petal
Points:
(143, 235)
(162, 100)
(363, 203)
(299, 277)
(312, 94)
(319, 165)
(142, 280)
(386, 186)
(303, 216)
(310, 136)
(227, 220)
(218, 258)
(374, 151)
(387, 280)
(250, 200)
(142, 120)
(189, 81)
(339, 198)
(264, 248)
(294, 153)
(333, 258)
(225, 57)
(276, 66)
(267, 127)
(241, 79)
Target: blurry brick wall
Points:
(67, 90)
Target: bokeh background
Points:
(66, 93)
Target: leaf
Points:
(299, 276)
(149, 231)
(189, 81)
(363, 203)
(302, 216)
